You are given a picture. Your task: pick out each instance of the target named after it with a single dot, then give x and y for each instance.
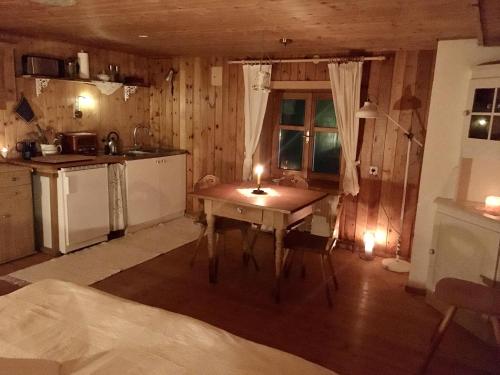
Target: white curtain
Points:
(345, 80)
(255, 109)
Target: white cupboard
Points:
(156, 190)
(466, 245)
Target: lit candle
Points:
(4, 151)
(258, 171)
(369, 240)
(492, 203)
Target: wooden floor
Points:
(375, 327)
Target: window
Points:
(485, 116)
(306, 139)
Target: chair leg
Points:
(496, 329)
(438, 336)
(198, 243)
(325, 281)
(332, 271)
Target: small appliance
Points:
(79, 143)
(42, 66)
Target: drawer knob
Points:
(432, 251)
(5, 216)
(239, 210)
(14, 179)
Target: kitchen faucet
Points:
(138, 127)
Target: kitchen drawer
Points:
(234, 211)
(15, 178)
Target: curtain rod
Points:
(313, 60)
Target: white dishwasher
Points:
(83, 203)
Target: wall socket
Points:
(373, 170)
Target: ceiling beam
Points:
(476, 9)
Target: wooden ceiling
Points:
(252, 27)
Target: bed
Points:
(55, 327)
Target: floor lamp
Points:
(371, 111)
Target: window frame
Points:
(309, 126)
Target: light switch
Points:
(216, 76)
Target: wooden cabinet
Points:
(156, 189)
(16, 213)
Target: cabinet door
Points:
(16, 222)
(172, 173)
(463, 250)
(143, 203)
(86, 205)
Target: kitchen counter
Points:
(51, 168)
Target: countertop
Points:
(49, 168)
(473, 211)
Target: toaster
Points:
(79, 143)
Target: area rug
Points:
(98, 262)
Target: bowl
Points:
(103, 77)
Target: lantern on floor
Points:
(369, 241)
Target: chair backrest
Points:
(293, 180)
(206, 182)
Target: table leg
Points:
(278, 255)
(212, 254)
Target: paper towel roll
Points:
(83, 62)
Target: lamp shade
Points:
(368, 110)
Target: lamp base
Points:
(396, 265)
(259, 191)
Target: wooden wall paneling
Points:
(210, 134)
(240, 124)
(186, 116)
(219, 139)
(197, 150)
(176, 105)
(377, 156)
(420, 102)
(386, 195)
(365, 179)
(231, 125)
(310, 72)
(7, 79)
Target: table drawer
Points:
(16, 178)
(234, 211)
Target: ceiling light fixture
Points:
(143, 36)
(57, 3)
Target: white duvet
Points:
(55, 327)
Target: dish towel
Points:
(117, 201)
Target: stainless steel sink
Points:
(151, 153)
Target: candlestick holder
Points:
(258, 191)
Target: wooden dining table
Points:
(279, 208)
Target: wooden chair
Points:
(306, 242)
(290, 181)
(222, 224)
(465, 295)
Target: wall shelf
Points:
(106, 88)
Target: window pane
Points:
(325, 114)
(495, 129)
(293, 111)
(290, 153)
(483, 100)
(326, 157)
(479, 127)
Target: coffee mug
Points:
(49, 149)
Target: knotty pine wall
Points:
(208, 121)
(54, 108)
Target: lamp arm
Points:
(410, 135)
